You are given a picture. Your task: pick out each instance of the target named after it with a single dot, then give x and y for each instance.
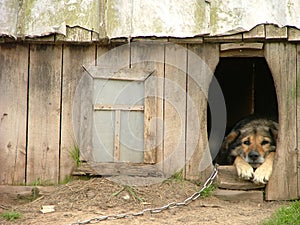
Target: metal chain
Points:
(171, 205)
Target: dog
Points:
(252, 144)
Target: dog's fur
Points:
(252, 143)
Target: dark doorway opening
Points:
(248, 88)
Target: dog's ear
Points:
(229, 139)
(274, 132)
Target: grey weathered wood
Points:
(119, 168)
(13, 112)
(187, 40)
(242, 53)
(293, 34)
(117, 58)
(226, 38)
(126, 74)
(241, 50)
(238, 196)
(42, 40)
(98, 107)
(228, 179)
(239, 46)
(117, 136)
(150, 120)
(72, 73)
(151, 55)
(20, 191)
(275, 32)
(83, 116)
(257, 32)
(174, 108)
(199, 163)
(44, 112)
(281, 58)
(298, 120)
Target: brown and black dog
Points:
(252, 143)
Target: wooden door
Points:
(113, 121)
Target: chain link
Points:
(171, 205)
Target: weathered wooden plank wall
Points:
(198, 85)
(44, 108)
(38, 84)
(71, 75)
(174, 108)
(13, 112)
(298, 120)
(151, 56)
(283, 183)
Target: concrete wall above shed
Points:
(137, 18)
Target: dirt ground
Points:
(80, 200)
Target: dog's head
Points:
(252, 140)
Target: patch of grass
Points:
(178, 177)
(66, 180)
(207, 192)
(10, 215)
(75, 155)
(40, 182)
(289, 215)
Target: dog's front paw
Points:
(245, 171)
(262, 174)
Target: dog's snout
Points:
(253, 155)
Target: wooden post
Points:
(174, 108)
(281, 58)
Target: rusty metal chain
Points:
(171, 205)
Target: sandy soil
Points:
(80, 200)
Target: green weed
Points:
(207, 192)
(286, 215)
(40, 182)
(75, 155)
(178, 177)
(10, 215)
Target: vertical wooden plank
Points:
(298, 119)
(44, 112)
(72, 73)
(113, 59)
(151, 56)
(117, 136)
(202, 61)
(13, 112)
(150, 120)
(174, 108)
(83, 116)
(281, 58)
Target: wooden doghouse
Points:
(48, 85)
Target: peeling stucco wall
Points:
(134, 18)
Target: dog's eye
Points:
(264, 142)
(246, 142)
